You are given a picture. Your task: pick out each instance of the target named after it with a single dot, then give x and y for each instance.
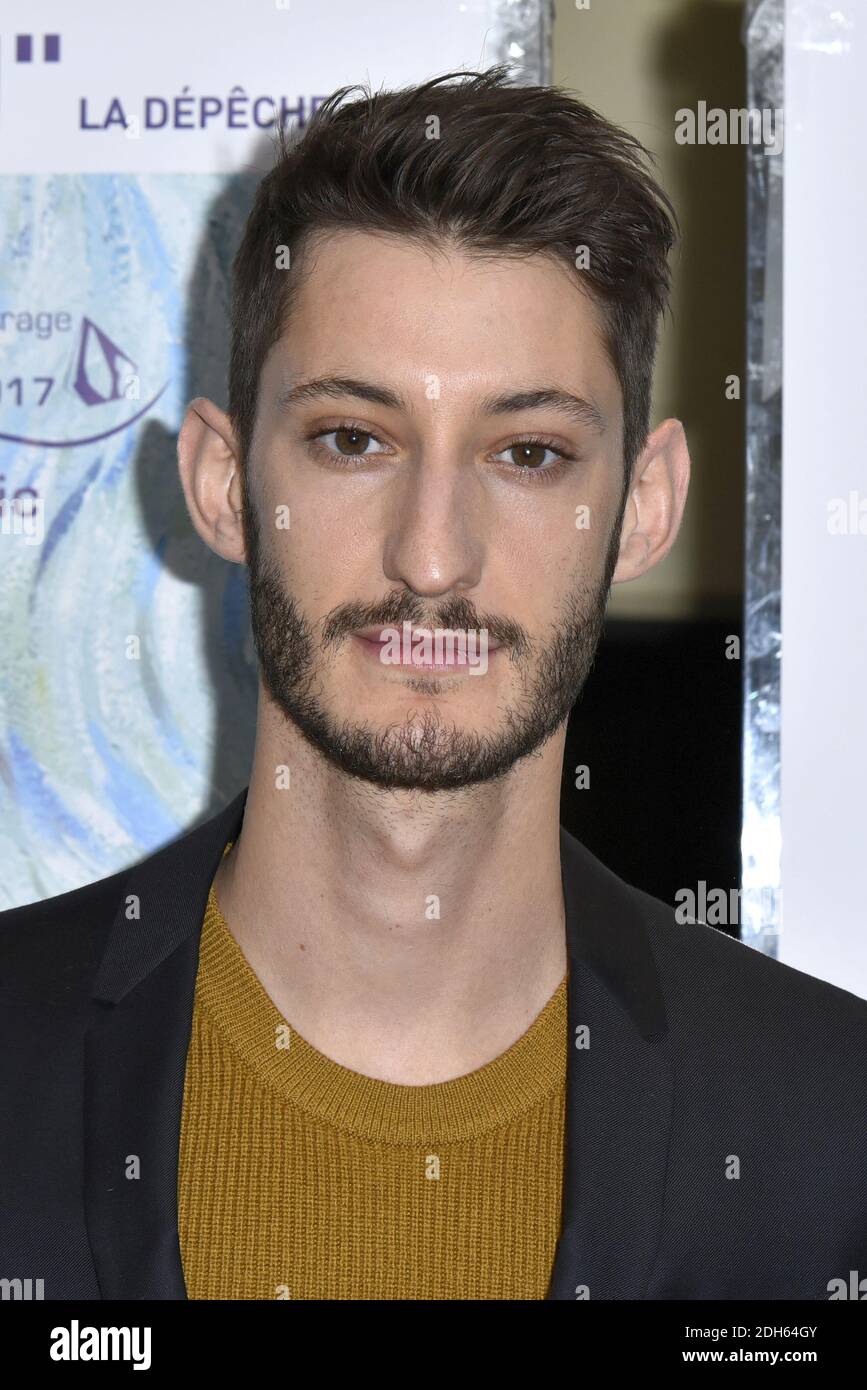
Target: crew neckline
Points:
(233, 998)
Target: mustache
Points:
(453, 614)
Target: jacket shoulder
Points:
(695, 960)
(744, 974)
(50, 949)
(767, 1027)
(54, 948)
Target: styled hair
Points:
(471, 160)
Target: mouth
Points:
(400, 647)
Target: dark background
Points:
(659, 725)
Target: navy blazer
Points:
(716, 1124)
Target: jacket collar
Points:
(618, 1087)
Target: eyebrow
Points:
(576, 408)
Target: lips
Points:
(452, 655)
(374, 635)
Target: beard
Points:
(424, 752)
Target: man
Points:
(382, 1029)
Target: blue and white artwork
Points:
(127, 695)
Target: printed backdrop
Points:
(130, 144)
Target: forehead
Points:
(415, 311)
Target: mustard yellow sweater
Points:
(299, 1178)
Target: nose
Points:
(434, 540)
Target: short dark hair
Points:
(512, 170)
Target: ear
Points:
(654, 508)
(211, 477)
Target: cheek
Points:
(548, 551)
(323, 567)
(594, 507)
(526, 584)
(319, 547)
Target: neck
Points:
(410, 936)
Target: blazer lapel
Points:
(618, 1089)
(135, 1062)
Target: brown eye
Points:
(351, 442)
(528, 455)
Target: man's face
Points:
(425, 507)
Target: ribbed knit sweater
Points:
(300, 1178)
